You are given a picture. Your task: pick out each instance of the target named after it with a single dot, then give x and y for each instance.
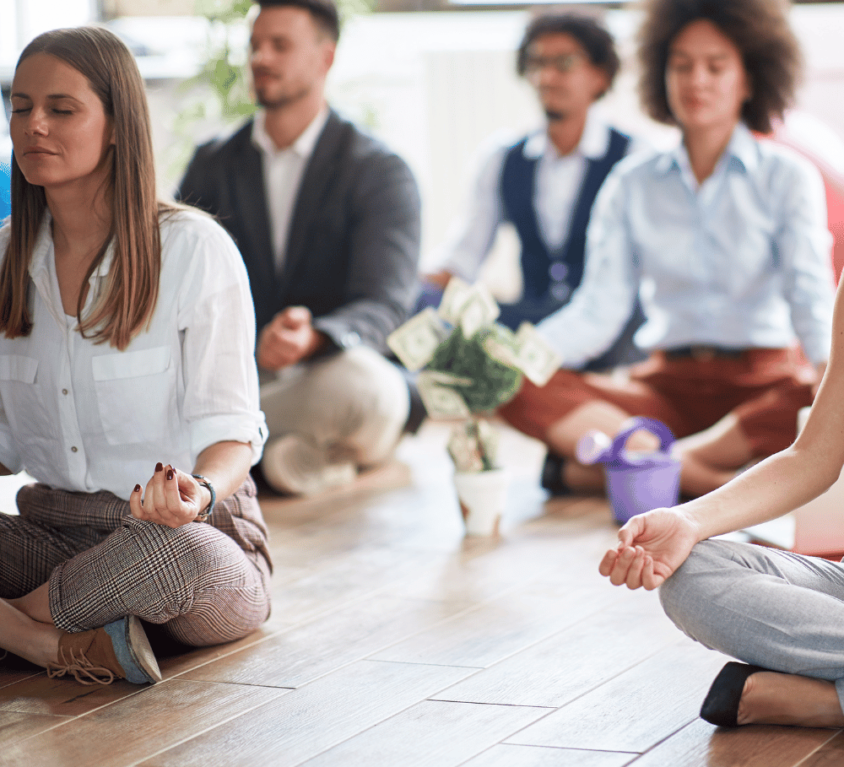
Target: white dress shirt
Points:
(740, 261)
(283, 171)
(556, 190)
(84, 417)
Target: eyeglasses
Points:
(562, 64)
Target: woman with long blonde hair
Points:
(126, 351)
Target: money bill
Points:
(488, 442)
(501, 352)
(478, 310)
(464, 450)
(454, 296)
(415, 342)
(470, 306)
(535, 357)
(440, 401)
(447, 379)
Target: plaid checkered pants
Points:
(208, 583)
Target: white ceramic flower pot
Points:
(482, 496)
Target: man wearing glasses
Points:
(545, 183)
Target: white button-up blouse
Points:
(82, 416)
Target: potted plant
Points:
(469, 365)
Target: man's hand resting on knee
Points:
(650, 548)
(288, 339)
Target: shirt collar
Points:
(741, 150)
(593, 144)
(302, 146)
(44, 248)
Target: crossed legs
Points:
(726, 411)
(194, 579)
(329, 417)
(774, 609)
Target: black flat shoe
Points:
(552, 475)
(722, 701)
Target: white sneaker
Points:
(293, 465)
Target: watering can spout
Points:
(636, 482)
(593, 447)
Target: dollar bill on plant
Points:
(470, 364)
(473, 446)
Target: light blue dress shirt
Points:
(740, 261)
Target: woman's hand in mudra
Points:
(650, 548)
(171, 498)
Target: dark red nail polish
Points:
(170, 474)
(137, 489)
(159, 466)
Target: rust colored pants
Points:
(764, 388)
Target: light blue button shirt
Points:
(740, 261)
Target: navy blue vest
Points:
(552, 274)
(550, 277)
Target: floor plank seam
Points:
(233, 651)
(196, 735)
(240, 684)
(665, 739)
(426, 663)
(486, 703)
(70, 720)
(821, 746)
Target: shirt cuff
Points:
(339, 333)
(248, 429)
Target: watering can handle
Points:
(657, 428)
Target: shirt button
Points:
(558, 271)
(560, 291)
(64, 391)
(74, 449)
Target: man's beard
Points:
(282, 101)
(554, 116)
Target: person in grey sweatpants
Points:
(771, 608)
(779, 611)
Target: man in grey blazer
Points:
(328, 222)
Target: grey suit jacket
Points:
(353, 245)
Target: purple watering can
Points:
(636, 482)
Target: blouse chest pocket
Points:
(136, 395)
(23, 399)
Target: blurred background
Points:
(434, 79)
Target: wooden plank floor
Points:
(396, 641)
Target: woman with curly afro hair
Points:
(724, 241)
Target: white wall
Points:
(21, 20)
(436, 87)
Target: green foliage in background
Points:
(225, 68)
